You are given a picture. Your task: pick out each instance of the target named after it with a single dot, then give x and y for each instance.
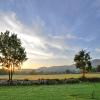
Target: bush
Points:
(72, 81)
(94, 79)
(47, 81)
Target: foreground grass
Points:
(83, 91)
(57, 76)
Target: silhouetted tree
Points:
(83, 61)
(12, 54)
(67, 71)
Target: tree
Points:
(67, 71)
(12, 54)
(83, 61)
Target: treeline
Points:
(33, 72)
(3, 72)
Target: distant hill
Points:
(57, 69)
(52, 69)
(95, 62)
(61, 69)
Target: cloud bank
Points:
(41, 46)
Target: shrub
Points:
(47, 81)
(72, 81)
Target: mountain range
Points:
(59, 69)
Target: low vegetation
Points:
(48, 81)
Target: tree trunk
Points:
(83, 76)
(9, 74)
(12, 71)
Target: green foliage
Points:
(51, 92)
(12, 54)
(83, 61)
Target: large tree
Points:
(83, 61)
(12, 54)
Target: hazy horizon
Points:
(53, 31)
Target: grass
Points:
(58, 76)
(81, 91)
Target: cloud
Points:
(97, 49)
(28, 35)
(38, 43)
(35, 39)
(73, 37)
(67, 36)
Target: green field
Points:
(81, 91)
(57, 76)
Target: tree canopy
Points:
(12, 54)
(83, 61)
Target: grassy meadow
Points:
(56, 76)
(79, 91)
(83, 91)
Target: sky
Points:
(53, 31)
